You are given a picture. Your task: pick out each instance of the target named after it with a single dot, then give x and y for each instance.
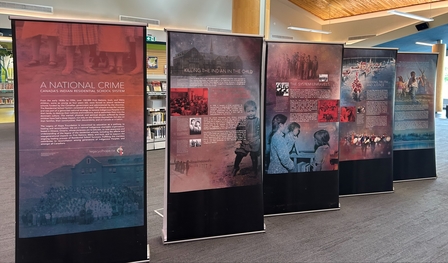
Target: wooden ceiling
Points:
(332, 9)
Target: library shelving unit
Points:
(156, 113)
(7, 94)
(156, 95)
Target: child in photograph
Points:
(413, 85)
(113, 42)
(292, 137)
(279, 160)
(248, 138)
(401, 87)
(192, 123)
(35, 31)
(197, 127)
(135, 38)
(321, 159)
(78, 35)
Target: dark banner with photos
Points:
(367, 95)
(301, 127)
(80, 138)
(214, 183)
(414, 145)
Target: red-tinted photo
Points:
(328, 110)
(348, 114)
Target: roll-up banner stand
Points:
(213, 180)
(80, 141)
(366, 139)
(414, 147)
(301, 127)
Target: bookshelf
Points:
(156, 95)
(156, 112)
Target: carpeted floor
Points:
(409, 225)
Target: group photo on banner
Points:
(302, 123)
(414, 125)
(366, 121)
(80, 131)
(214, 123)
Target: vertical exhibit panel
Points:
(80, 141)
(213, 185)
(414, 145)
(301, 127)
(367, 93)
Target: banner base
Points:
(212, 237)
(159, 212)
(416, 179)
(375, 193)
(305, 212)
(148, 256)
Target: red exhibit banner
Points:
(80, 127)
(367, 92)
(214, 141)
(214, 103)
(302, 103)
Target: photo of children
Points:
(293, 147)
(191, 101)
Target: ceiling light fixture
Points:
(309, 30)
(424, 44)
(399, 13)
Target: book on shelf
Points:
(156, 86)
(7, 100)
(6, 86)
(158, 117)
(156, 132)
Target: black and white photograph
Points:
(195, 126)
(195, 142)
(282, 89)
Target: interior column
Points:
(246, 16)
(441, 49)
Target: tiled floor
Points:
(6, 115)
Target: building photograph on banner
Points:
(414, 101)
(80, 126)
(302, 104)
(367, 92)
(214, 104)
